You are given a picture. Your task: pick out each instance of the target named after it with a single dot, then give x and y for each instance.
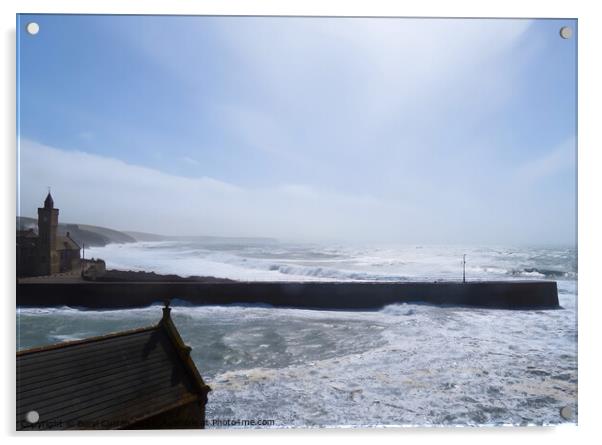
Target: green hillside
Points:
(91, 236)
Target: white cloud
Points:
(380, 68)
(385, 130)
(99, 190)
(103, 191)
(342, 82)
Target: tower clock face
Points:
(45, 218)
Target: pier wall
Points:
(318, 295)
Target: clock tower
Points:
(48, 221)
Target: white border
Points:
(590, 120)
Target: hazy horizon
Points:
(324, 242)
(414, 131)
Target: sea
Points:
(403, 365)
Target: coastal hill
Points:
(96, 236)
(91, 236)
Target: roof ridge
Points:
(183, 350)
(156, 375)
(67, 344)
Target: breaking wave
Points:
(542, 273)
(290, 262)
(404, 364)
(336, 274)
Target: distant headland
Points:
(51, 272)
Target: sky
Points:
(441, 131)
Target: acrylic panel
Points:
(274, 222)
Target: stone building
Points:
(46, 252)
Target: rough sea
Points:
(407, 364)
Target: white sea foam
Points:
(406, 364)
(283, 262)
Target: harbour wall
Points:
(316, 295)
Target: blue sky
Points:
(388, 130)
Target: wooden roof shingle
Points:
(107, 382)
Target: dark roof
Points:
(66, 243)
(49, 202)
(107, 382)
